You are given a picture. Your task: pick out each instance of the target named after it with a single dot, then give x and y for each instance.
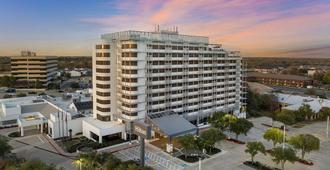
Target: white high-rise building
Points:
(138, 73)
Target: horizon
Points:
(261, 28)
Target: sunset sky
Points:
(260, 28)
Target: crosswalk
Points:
(151, 159)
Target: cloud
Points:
(256, 27)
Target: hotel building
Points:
(33, 71)
(144, 73)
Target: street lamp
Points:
(79, 161)
(283, 136)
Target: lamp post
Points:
(283, 136)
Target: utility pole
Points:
(328, 127)
(142, 151)
(200, 164)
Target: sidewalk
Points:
(119, 147)
(58, 148)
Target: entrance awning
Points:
(171, 124)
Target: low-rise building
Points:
(33, 71)
(294, 102)
(280, 79)
(75, 73)
(51, 115)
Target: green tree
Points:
(210, 137)
(281, 155)
(111, 163)
(88, 161)
(324, 113)
(286, 116)
(305, 142)
(318, 76)
(6, 96)
(241, 126)
(188, 143)
(7, 81)
(38, 84)
(216, 120)
(228, 120)
(304, 112)
(36, 165)
(275, 135)
(222, 120)
(21, 95)
(253, 148)
(326, 78)
(5, 148)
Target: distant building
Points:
(267, 70)
(280, 79)
(33, 71)
(311, 71)
(75, 73)
(82, 107)
(294, 102)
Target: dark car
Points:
(10, 90)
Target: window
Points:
(103, 101)
(102, 78)
(101, 70)
(104, 46)
(129, 46)
(101, 109)
(129, 63)
(103, 86)
(103, 62)
(104, 94)
(131, 54)
(129, 88)
(103, 118)
(102, 54)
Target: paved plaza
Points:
(235, 156)
(37, 147)
(231, 158)
(153, 157)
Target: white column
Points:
(42, 128)
(100, 139)
(22, 131)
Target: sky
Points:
(257, 28)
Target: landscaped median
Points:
(85, 144)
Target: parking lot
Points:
(234, 156)
(37, 147)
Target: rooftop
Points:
(172, 124)
(296, 101)
(156, 36)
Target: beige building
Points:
(33, 71)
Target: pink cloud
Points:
(257, 27)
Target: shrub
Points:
(14, 134)
(21, 95)
(286, 118)
(6, 96)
